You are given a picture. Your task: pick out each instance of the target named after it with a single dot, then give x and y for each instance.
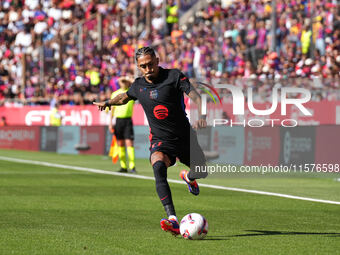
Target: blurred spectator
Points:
(226, 41)
(3, 121)
(171, 15)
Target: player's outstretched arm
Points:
(196, 98)
(120, 99)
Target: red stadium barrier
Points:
(266, 145)
(89, 115)
(21, 138)
(94, 138)
(72, 115)
(318, 110)
(262, 146)
(327, 145)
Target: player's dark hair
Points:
(145, 51)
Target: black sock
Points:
(169, 209)
(162, 187)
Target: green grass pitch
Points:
(48, 210)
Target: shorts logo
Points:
(153, 94)
(160, 112)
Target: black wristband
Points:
(107, 104)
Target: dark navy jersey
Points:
(163, 104)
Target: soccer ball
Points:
(193, 226)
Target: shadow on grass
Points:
(208, 238)
(268, 233)
(284, 233)
(215, 238)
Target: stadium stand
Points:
(51, 50)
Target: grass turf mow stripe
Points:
(98, 171)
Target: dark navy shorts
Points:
(124, 129)
(187, 150)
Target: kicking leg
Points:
(190, 179)
(160, 162)
(194, 158)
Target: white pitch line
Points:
(98, 171)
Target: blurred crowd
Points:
(227, 41)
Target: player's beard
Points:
(151, 77)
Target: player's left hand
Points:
(201, 123)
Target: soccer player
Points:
(160, 92)
(124, 128)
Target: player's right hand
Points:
(101, 105)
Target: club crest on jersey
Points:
(153, 94)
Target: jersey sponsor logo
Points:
(153, 94)
(160, 112)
